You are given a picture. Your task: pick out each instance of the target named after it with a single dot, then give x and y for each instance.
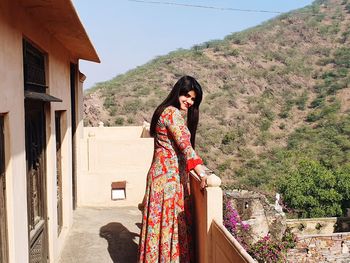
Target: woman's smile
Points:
(186, 101)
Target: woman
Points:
(166, 223)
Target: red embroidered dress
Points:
(166, 223)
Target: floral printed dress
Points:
(166, 223)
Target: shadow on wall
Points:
(121, 245)
(342, 225)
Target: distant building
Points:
(40, 125)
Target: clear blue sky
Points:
(128, 34)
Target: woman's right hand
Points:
(203, 182)
(200, 171)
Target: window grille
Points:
(34, 68)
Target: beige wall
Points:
(111, 154)
(14, 25)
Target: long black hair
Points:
(181, 88)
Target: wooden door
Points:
(58, 115)
(36, 180)
(3, 217)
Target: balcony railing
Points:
(214, 243)
(119, 154)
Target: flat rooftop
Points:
(103, 235)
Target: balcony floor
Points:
(103, 235)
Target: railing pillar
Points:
(214, 202)
(207, 206)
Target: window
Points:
(34, 68)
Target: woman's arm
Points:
(177, 128)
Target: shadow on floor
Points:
(121, 245)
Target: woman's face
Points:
(186, 101)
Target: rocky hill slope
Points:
(274, 94)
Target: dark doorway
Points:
(73, 86)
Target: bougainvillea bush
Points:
(266, 249)
(235, 225)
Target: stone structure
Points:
(317, 226)
(321, 249)
(255, 210)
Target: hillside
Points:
(275, 94)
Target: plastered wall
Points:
(16, 24)
(113, 154)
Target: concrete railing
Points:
(214, 244)
(225, 247)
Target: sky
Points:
(129, 33)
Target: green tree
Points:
(343, 185)
(311, 189)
